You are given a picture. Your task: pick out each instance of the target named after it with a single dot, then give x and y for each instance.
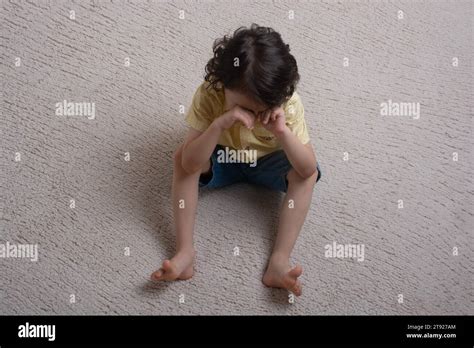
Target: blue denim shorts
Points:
(270, 172)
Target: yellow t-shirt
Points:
(208, 104)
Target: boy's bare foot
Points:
(181, 266)
(279, 274)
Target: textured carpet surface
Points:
(102, 221)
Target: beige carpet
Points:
(95, 253)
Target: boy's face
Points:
(233, 98)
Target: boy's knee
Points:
(293, 176)
(184, 168)
(179, 166)
(314, 177)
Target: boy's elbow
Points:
(307, 173)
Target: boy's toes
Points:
(169, 270)
(297, 289)
(157, 275)
(296, 271)
(166, 272)
(167, 266)
(288, 282)
(291, 280)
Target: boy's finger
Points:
(251, 123)
(246, 118)
(267, 118)
(249, 120)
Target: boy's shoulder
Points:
(208, 93)
(294, 99)
(294, 107)
(208, 101)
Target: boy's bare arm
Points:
(198, 146)
(301, 156)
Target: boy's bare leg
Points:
(184, 195)
(279, 273)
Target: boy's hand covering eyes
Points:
(235, 114)
(273, 120)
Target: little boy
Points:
(247, 102)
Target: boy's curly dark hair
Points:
(256, 62)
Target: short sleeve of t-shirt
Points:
(294, 111)
(203, 108)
